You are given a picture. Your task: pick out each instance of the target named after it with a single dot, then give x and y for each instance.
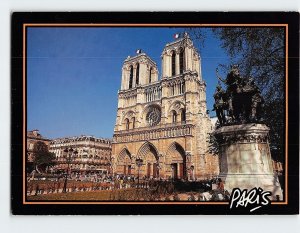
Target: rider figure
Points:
(219, 105)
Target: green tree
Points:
(42, 156)
(260, 54)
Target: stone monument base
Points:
(242, 181)
(245, 158)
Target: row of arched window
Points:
(153, 94)
(175, 117)
(137, 75)
(137, 71)
(177, 88)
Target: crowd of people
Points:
(77, 182)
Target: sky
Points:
(74, 74)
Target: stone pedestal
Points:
(245, 158)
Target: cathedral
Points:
(162, 122)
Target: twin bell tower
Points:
(162, 120)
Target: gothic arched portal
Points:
(149, 154)
(124, 162)
(177, 160)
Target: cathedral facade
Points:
(163, 122)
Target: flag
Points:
(176, 36)
(138, 51)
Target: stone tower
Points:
(163, 122)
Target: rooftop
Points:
(82, 138)
(129, 58)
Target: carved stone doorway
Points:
(149, 155)
(124, 162)
(177, 159)
(174, 171)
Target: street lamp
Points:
(70, 152)
(139, 163)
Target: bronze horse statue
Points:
(242, 99)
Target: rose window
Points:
(153, 116)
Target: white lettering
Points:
(255, 196)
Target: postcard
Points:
(155, 113)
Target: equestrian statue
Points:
(241, 102)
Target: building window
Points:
(182, 87)
(131, 77)
(137, 74)
(181, 61)
(183, 115)
(150, 73)
(153, 116)
(173, 63)
(174, 116)
(133, 122)
(173, 90)
(127, 124)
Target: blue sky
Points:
(73, 74)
